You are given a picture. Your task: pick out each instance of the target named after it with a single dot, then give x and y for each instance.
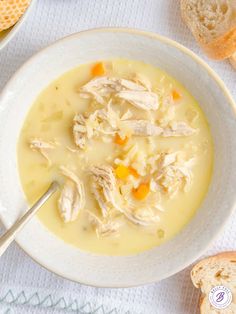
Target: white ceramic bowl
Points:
(205, 86)
(8, 34)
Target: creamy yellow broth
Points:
(50, 118)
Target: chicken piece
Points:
(104, 187)
(72, 198)
(129, 85)
(69, 202)
(105, 179)
(167, 159)
(143, 217)
(140, 99)
(174, 179)
(108, 229)
(42, 147)
(109, 195)
(173, 174)
(110, 84)
(104, 83)
(102, 121)
(140, 128)
(147, 128)
(145, 212)
(97, 191)
(104, 228)
(185, 173)
(40, 144)
(112, 117)
(104, 176)
(105, 86)
(79, 131)
(178, 129)
(88, 91)
(143, 80)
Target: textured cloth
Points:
(26, 287)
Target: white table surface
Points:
(26, 287)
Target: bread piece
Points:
(232, 60)
(11, 11)
(215, 271)
(213, 24)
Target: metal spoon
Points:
(9, 236)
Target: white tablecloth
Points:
(25, 287)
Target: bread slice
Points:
(11, 11)
(215, 271)
(232, 60)
(213, 24)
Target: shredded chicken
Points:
(68, 202)
(138, 94)
(99, 122)
(79, 130)
(170, 173)
(98, 193)
(178, 129)
(146, 128)
(108, 195)
(173, 174)
(140, 128)
(105, 86)
(167, 159)
(40, 144)
(108, 121)
(129, 85)
(113, 83)
(143, 80)
(104, 228)
(104, 176)
(146, 211)
(140, 99)
(144, 217)
(72, 198)
(42, 147)
(103, 187)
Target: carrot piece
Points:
(122, 172)
(133, 172)
(176, 95)
(120, 141)
(142, 191)
(98, 69)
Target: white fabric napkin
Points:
(26, 287)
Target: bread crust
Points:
(11, 12)
(204, 263)
(229, 255)
(232, 60)
(220, 48)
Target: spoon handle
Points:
(11, 233)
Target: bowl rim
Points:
(16, 27)
(162, 39)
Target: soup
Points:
(131, 149)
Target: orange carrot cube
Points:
(98, 69)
